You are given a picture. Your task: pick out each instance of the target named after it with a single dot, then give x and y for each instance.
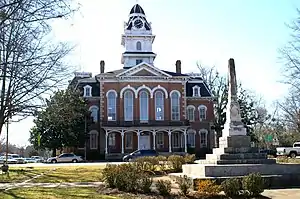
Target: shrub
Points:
(208, 187)
(253, 183)
(185, 184)
(145, 183)
(189, 158)
(163, 187)
(231, 187)
(162, 163)
(109, 175)
(127, 177)
(176, 162)
(147, 163)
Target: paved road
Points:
(63, 164)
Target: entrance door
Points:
(144, 142)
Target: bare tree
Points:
(31, 64)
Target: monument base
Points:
(236, 149)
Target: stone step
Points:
(236, 161)
(229, 156)
(232, 150)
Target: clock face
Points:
(138, 23)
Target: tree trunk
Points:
(53, 152)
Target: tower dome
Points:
(137, 9)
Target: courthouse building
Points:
(142, 106)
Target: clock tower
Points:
(137, 39)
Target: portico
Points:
(128, 139)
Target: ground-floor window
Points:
(112, 139)
(176, 140)
(160, 140)
(93, 140)
(203, 138)
(128, 140)
(191, 139)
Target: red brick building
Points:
(141, 106)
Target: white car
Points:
(30, 160)
(65, 157)
(38, 158)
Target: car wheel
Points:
(74, 161)
(129, 160)
(293, 155)
(53, 161)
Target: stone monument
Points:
(235, 145)
(235, 157)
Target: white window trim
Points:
(126, 135)
(96, 141)
(191, 132)
(163, 106)
(175, 91)
(116, 96)
(205, 112)
(160, 145)
(85, 89)
(187, 112)
(97, 110)
(203, 131)
(198, 89)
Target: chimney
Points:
(178, 66)
(102, 66)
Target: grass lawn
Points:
(283, 160)
(60, 174)
(53, 193)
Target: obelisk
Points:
(233, 124)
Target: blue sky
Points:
(208, 31)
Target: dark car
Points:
(139, 153)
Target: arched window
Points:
(128, 105)
(191, 138)
(202, 112)
(203, 138)
(94, 113)
(93, 139)
(144, 106)
(138, 45)
(159, 105)
(190, 112)
(175, 106)
(111, 106)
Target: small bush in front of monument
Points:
(208, 187)
(163, 187)
(176, 162)
(231, 186)
(108, 175)
(185, 185)
(162, 163)
(189, 158)
(253, 184)
(145, 183)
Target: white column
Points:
(138, 138)
(170, 141)
(122, 137)
(185, 141)
(106, 136)
(154, 141)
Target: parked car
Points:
(139, 153)
(9, 160)
(65, 157)
(292, 152)
(30, 160)
(38, 158)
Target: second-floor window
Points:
(202, 112)
(175, 106)
(111, 106)
(128, 105)
(144, 106)
(190, 112)
(159, 105)
(94, 113)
